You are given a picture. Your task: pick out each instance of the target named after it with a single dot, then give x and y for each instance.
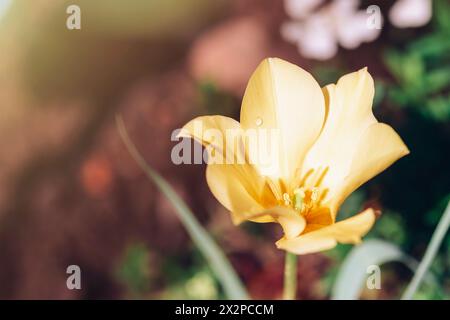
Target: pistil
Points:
(299, 196)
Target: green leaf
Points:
(217, 260)
(353, 272)
(134, 270)
(399, 96)
(431, 46)
(393, 61)
(408, 69)
(430, 253)
(437, 80)
(413, 71)
(438, 108)
(390, 226)
(442, 12)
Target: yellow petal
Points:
(347, 231)
(283, 98)
(238, 188)
(202, 129)
(236, 185)
(290, 220)
(378, 148)
(349, 113)
(349, 116)
(318, 219)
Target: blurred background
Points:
(71, 194)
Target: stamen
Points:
(315, 194)
(287, 199)
(305, 177)
(322, 175)
(323, 194)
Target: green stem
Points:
(430, 253)
(290, 277)
(213, 254)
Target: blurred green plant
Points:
(352, 205)
(353, 271)
(430, 253)
(217, 260)
(390, 226)
(422, 70)
(200, 285)
(193, 279)
(134, 270)
(212, 100)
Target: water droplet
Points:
(259, 122)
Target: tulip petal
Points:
(236, 185)
(347, 231)
(349, 115)
(378, 148)
(283, 97)
(202, 129)
(292, 222)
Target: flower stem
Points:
(290, 277)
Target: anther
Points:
(287, 199)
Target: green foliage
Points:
(188, 276)
(326, 74)
(390, 227)
(190, 281)
(354, 270)
(352, 205)
(134, 270)
(215, 101)
(430, 253)
(422, 70)
(442, 13)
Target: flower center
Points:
(303, 200)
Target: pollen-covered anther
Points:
(287, 199)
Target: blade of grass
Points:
(430, 253)
(352, 274)
(215, 257)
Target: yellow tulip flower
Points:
(328, 142)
